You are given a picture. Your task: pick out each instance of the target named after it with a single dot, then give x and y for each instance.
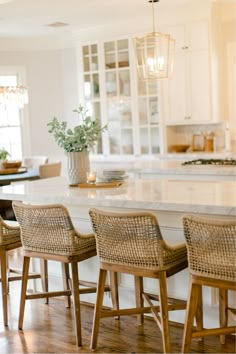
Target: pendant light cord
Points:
(153, 17)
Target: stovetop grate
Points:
(224, 162)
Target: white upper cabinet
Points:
(192, 36)
(112, 91)
(188, 93)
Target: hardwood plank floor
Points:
(49, 329)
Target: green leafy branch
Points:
(82, 137)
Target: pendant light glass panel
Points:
(155, 56)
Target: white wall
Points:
(51, 77)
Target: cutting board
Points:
(112, 184)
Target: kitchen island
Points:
(168, 199)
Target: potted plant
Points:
(3, 154)
(77, 142)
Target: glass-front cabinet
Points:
(113, 93)
(91, 85)
(118, 97)
(148, 118)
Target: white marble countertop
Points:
(205, 197)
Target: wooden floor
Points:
(49, 329)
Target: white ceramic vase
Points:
(77, 166)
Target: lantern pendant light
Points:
(154, 53)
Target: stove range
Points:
(220, 162)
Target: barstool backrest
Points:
(49, 170)
(211, 246)
(131, 239)
(9, 232)
(46, 228)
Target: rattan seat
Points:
(9, 240)
(47, 232)
(132, 243)
(211, 246)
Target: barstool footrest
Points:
(214, 331)
(49, 294)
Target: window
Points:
(10, 123)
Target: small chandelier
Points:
(16, 95)
(154, 53)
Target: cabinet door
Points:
(192, 36)
(189, 90)
(198, 36)
(200, 87)
(178, 105)
(118, 97)
(92, 86)
(120, 129)
(178, 33)
(148, 118)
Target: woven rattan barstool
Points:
(47, 233)
(9, 240)
(132, 243)
(211, 246)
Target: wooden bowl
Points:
(11, 164)
(178, 148)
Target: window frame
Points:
(20, 73)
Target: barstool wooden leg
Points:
(4, 286)
(8, 270)
(114, 291)
(66, 283)
(199, 311)
(25, 273)
(138, 281)
(76, 299)
(44, 277)
(190, 313)
(98, 308)
(223, 313)
(164, 312)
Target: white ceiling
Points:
(29, 18)
(24, 23)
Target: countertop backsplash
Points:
(192, 134)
